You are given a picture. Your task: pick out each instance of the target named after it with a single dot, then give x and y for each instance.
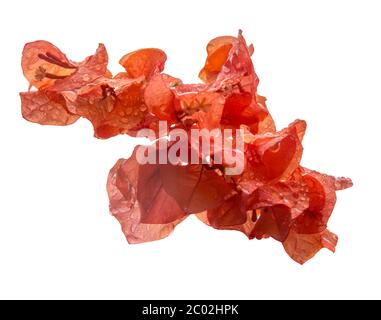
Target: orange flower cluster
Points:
(273, 197)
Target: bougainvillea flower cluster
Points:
(273, 197)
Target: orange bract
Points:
(274, 197)
(144, 62)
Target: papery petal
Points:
(229, 69)
(292, 193)
(113, 107)
(92, 68)
(272, 222)
(159, 98)
(194, 187)
(144, 62)
(41, 58)
(267, 123)
(233, 65)
(46, 108)
(243, 109)
(156, 205)
(322, 199)
(302, 247)
(218, 51)
(274, 157)
(122, 187)
(230, 213)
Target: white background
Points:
(317, 60)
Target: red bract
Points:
(273, 197)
